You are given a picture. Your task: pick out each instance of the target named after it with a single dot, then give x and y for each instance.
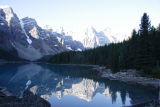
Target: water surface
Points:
(72, 86)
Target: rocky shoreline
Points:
(129, 76)
(28, 100)
(132, 76)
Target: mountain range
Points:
(25, 39)
(90, 37)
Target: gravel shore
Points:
(129, 76)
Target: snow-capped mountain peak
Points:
(90, 37)
(90, 31)
(9, 14)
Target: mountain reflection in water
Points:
(71, 85)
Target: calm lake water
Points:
(72, 86)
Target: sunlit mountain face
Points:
(71, 85)
(90, 36)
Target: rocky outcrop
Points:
(28, 100)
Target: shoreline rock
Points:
(131, 76)
(28, 100)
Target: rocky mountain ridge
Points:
(26, 39)
(90, 37)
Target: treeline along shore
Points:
(141, 51)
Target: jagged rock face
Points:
(43, 40)
(93, 38)
(90, 37)
(28, 40)
(14, 36)
(67, 39)
(72, 44)
(10, 30)
(31, 27)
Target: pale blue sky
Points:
(119, 15)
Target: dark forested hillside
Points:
(141, 51)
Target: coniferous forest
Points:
(141, 51)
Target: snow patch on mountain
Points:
(1, 24)
(68, 47)
(22, 26)
(9, 13)
(79, 49)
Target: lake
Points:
(72, 85)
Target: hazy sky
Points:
(120, 15)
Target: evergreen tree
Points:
(145, 60)
(145, 24)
